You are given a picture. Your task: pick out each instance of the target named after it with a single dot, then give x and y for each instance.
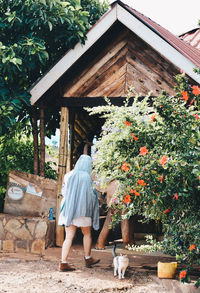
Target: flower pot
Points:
(167, 270)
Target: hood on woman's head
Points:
(84, 163)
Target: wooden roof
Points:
(123, 48)
(119, 60)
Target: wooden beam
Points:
(81, 127)
(88, 101)
(71, 139)
(62, 164)
(81, 133)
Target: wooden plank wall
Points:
(124, 61)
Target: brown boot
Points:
(91, 261)
(63, 267)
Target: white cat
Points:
(120, 263)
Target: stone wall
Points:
(26, 234)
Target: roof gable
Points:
(166, 44)
(119, 60)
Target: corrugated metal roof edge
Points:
(189, 32)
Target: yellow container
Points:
(167, 270)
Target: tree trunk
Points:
(42, 143)
(35, 141)
(127, 231)
(104, 232)
(131, 230)
(62, 164)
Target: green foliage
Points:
(95, 8)
(33, 36)
(151, 246)
(152, 149)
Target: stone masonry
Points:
(26, 234)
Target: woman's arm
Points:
(86, 147)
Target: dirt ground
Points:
(22, 272)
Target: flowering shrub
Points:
(152, 148)
(151, 246)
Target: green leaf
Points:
(50, 25)
(43, 2)
(18, 61)
(81, 34)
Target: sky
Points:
(178, 16)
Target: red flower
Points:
(182, 274)
(153, 117)
(133, 136)
(141, 182)
(192, 247)
(184, 96)
(125, 167)
(154, 201)
(127, 198)
(196, 90)
(196, 116)
(175, 196)
(161, 178)
(167, 211)
(143, 151)
(192, 101)
(136, 193)
(163, 160)
(127, 123)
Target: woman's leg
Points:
(87, 240)
(87, 244)
(70, 232)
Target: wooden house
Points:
(124, 48)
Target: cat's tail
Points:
(113, 250)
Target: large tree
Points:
(34, 34)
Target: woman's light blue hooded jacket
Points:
(79, 199)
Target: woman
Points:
(79, 208)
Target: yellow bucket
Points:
(167, 270)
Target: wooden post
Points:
(62, 164)
(71, 139)
(35, 140)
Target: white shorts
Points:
(82, 222)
